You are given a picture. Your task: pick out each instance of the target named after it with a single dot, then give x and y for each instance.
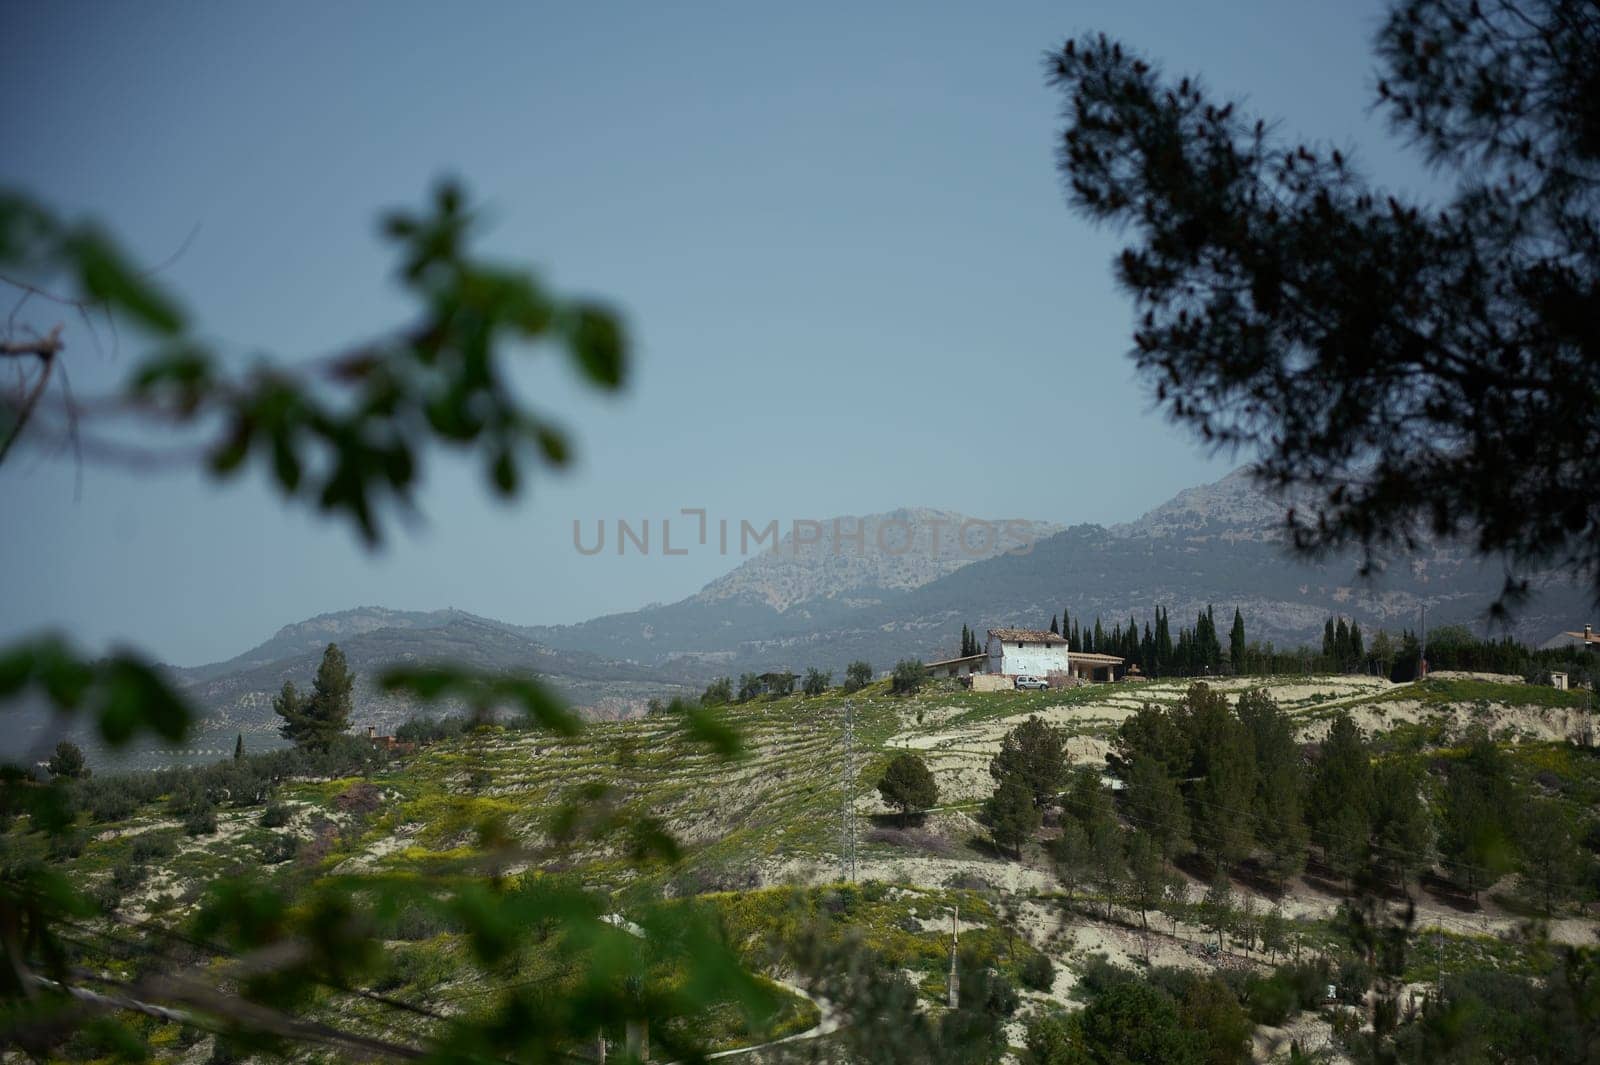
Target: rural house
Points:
(1026, 652)
(1588, 639)
(1029, 652)
(965, 666)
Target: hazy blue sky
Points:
(836, 231)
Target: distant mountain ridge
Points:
(1219, 544)
(858, 557)
(812, 605)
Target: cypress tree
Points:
(1054, 627)
(1213, 644)
(1327, 640)
(1236, 646)
(238, 747)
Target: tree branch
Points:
(45, 347)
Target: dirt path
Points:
(830, 1021)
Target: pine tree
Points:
(1216, 908)
(1279, 804)
(1013, 818)
(1034, 753)
(1156, 806)
(1148, 877)
(1340, 806)
(908, 786)
(1224, 762)
(314, 723)
(1402, 831)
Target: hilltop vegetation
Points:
(760, 851)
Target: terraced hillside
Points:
(763, 841)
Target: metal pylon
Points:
(847, 813)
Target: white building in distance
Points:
(1026, 653)
(1031, 653)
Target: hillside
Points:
(813, 605)
(763, 839)
(235, 697)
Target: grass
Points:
(775, 810)
(1463, 691)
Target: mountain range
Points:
(892, 585)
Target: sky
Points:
(835, 232)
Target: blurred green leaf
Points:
(597, 345)
(107, 277)
(706, 725)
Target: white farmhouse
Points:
(1029, 652)
(1026, 652)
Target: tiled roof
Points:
(1028, 636)
(953, 661)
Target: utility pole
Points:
(848, 812)
(953, 998)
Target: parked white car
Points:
(1035, 683)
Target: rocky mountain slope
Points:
(1217, 544)
(858, 559)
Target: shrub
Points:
(1037, 973)
(68, 762)
(201, 820)
(276, 815)
(363, 798)
(1271, 1000)
(108, 802)
(416, 922)
(67, 845)
(148, 846)
(127, 875)
(909, 675)
(281, 847)
(857, 676)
